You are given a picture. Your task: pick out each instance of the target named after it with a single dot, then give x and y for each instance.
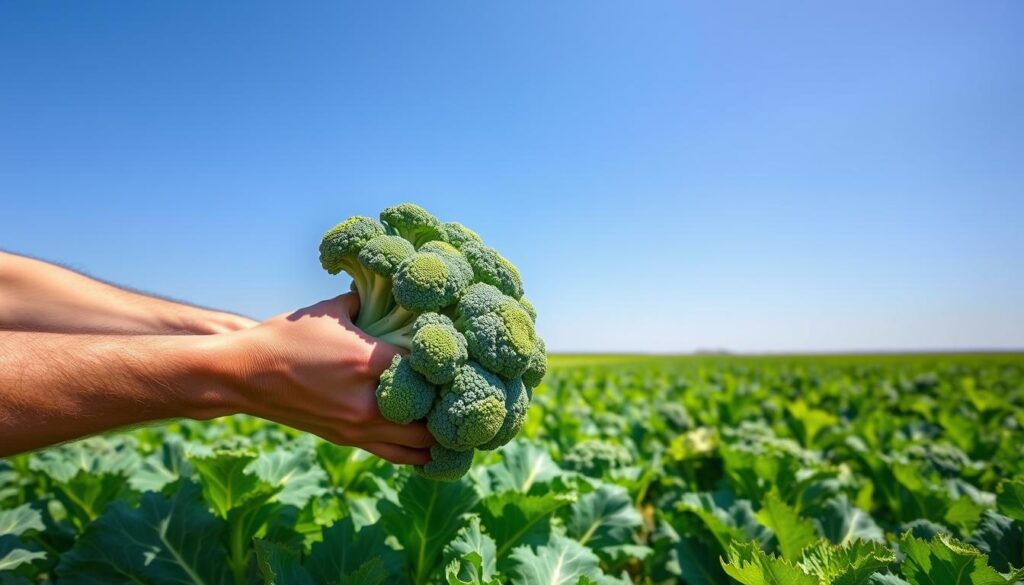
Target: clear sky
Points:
(668, 176)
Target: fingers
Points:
(349, 304)
(398, 454)
(413, 435)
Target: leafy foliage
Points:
(705, 471)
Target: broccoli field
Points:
(703, 470)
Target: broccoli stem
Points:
(400, 337)
(377, 301)
(396, 319)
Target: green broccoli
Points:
(457, 307)
(537, 367)
(491, 267)
(437, 350)
(498, 330)
(445, 464)
(413, 223)
(517, 400)
(595, 457)
(403, 395)
(471, 409)
(457, 234)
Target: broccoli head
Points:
(471, 409)
(517, 401)
(403, 395)
(457, 307)
(413, 223)
(445, 464)
(595, 457)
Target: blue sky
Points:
(668, 176)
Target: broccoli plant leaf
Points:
(792, 532)
(19, 520)
(842, 523)
(1001, 539)
(604, 519)
(523, 466)
(946, 561)
(293, 472)
(514, 518)
(280, 565)
(1010, 499)
(850, 564)
(345, 552)
(162, 467)
(560, 562)
(749, 565)
(424, 516)
(162, 541)
(471, 540)
(226, 484)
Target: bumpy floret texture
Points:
(403, 395)
(438, 350)
(595, 457)
(517, 400)
(470, 411)
(457, 307)
(445, 464)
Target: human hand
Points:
(315, 371)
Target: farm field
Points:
(703, 470)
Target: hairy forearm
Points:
(56, 387)
(38, 296)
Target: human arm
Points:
(312, 370)
(39, 296)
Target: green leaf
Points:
(514, 518)
(345, 552)
(1010, 499)
(345, 465)
(792, 532)
(225, 482)
(280, 565)
(468, 570)
(470, 540)
(698, 562)
(749, 565)
(1001, 539)
(523, 466)
(19, 520)
(843, 523)
(945, 561)
(425, 517)
(728, 520)
(293, 472)
(850, 564)
(162, 467)
(561, 561)
(604, 518)
(14, 553)
(161, 541)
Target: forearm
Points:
(38, 296)
(57, 387)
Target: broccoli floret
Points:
(445, 464)
(438, 350)
(529, 308)
(517, 401)
(498, 330)
(381, 257)
(537, 367)
(594, 457)
(413, 223)
(471, 409)
(430, 281)
(403, 395)
(340, 247)
(457, 234)
(491, 267)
